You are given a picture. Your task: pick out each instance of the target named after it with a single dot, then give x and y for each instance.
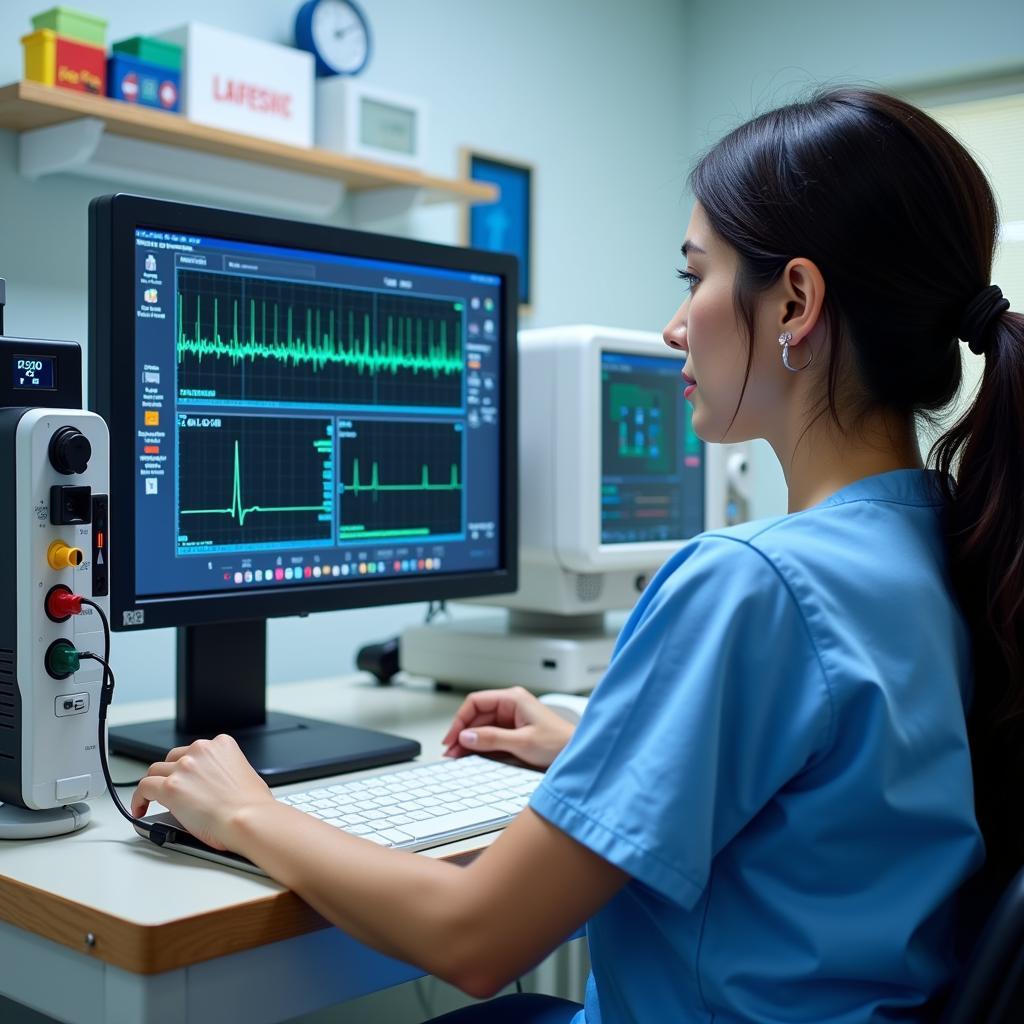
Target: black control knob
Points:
(70, 451)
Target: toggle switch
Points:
(71, 704)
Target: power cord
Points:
(435, 608)
(158, 833)
(384, 660)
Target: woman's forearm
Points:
(409, 907)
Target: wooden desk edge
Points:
(151, 949)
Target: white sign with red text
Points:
(244, 84)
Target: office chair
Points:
(990, 989)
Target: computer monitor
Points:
(613, 480)
(302, 418)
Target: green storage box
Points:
(86, 28)
(152, 51)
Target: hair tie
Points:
(986, 306)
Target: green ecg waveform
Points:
(239, 511)
(409, 344)
(376, 486)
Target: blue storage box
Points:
(138, 81)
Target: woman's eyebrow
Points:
(691, 246)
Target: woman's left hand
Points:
(204, 786)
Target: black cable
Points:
(519, 985)
(158, 833)
(435, 608)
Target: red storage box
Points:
(57, 60)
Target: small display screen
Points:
(35, 373)
(652, 483)
(387, 126)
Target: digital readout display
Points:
(34, 373)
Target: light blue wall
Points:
(586, 91)
(744, 57)
(610, 104)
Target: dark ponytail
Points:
(985, 532)
(901, 222)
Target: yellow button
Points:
(61, 556)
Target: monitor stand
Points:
(221, 687)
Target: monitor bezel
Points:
(112, 224)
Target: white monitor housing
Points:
(613, 481)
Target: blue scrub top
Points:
(778, 757)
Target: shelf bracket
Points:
(59, 147)
(84, 147)
(373, 206)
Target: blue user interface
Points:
(652, 478)
(304, 417)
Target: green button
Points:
(65, 659)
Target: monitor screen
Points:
(309, 418)
(652, 478)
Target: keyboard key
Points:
(395, 835)
(512, 806)
(453, 822)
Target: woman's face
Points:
(708, 328)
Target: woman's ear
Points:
(803, 295)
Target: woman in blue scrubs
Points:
(768, 809)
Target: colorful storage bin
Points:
(67, 63)
(139, 81)
(84, 28)
(152, 51)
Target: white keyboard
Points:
(418, 806)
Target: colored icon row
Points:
(306, 572)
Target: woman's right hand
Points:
(512, 721)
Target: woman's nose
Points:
(674, 334)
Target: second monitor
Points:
(612, 482)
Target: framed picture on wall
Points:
(507, 225)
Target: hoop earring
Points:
(784, 339)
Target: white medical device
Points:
(54, 529)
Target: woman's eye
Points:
(690, 279)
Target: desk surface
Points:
(107, 893)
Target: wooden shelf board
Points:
(27, 105)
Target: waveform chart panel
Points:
(261, 340)
(254, 481)
(400, 480)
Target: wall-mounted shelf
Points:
(70, 132)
